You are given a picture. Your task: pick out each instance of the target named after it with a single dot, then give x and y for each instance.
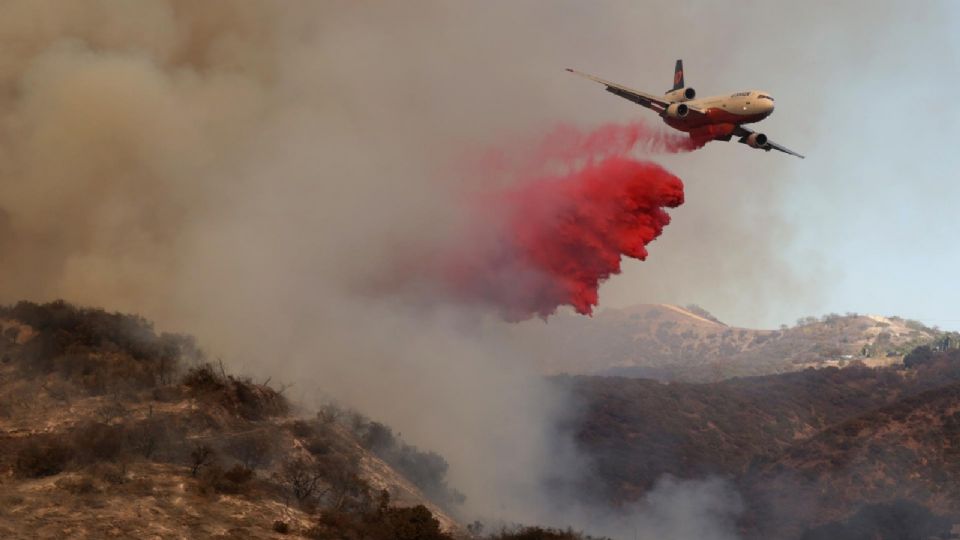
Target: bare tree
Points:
(200, 456)
(303, 477)
(149, 435)
(342, 475)
(329, 413)
(254, 449)
(109, 411)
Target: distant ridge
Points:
(689, 314)
(669, 342)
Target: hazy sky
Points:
(880, 189)
(864, 89)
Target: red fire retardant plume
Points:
(552, 241)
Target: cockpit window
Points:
(763, 96)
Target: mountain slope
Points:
(909, 450)
(108, 429)
(805, 448)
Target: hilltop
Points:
(668, 342)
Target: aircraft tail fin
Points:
(678, 76)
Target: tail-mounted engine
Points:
(680, 95)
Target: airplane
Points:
(704, 119)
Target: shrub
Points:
(42, 456)
(95, 441)
(342, 474)
(319, 445)
(539, 533)
(109, 411)
(281, 527)
(410, 523)
(427, 470)
(201, 456)
(330, 413)
(323, 440)
(150, 436)
(238, 474)
(208, 479)
(166, 394)
(253, 401)
(80, 485)
(918, 357)
(202, 378)
(239, 396)
(302, 429)
(302, 477)
(126, 346)
(11, 334)
(415, 523)
(254, 449)
(111, 473)
(235, 480)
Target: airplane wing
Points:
(744, 132)
(641, 98)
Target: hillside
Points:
(108, 429)
(806, 449)
(906, 451)
(672, 343)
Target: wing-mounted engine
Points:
(680, 95)
(756, 140)
(677, 110)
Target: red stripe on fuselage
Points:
(712, 117)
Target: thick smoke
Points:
(243, 170)
(703, 509)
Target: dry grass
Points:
(96, 440)
(155, 501)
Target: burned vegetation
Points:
(815, 452)
(105, 421)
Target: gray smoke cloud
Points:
(236, 169)
(137, 137)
